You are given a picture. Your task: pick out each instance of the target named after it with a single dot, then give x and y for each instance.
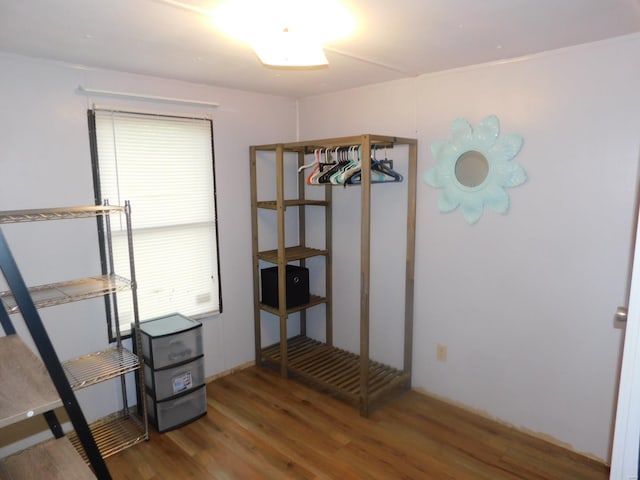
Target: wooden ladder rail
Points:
(49, 357)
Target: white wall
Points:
(45, 162)
(524, 302)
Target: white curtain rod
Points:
(107, 93)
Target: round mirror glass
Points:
(471, 168)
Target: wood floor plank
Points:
(398, 444)
(315, 452)
(262, 426)
(255, 450)
(366, 432)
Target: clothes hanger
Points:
(380, 172)
(355, 176)
(352, 164)
(314, 178)
(308, 165)
(316, 155)
(386, 167)
(326, 177)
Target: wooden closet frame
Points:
(321, 364)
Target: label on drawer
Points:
(182, 382)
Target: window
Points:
(164, 167)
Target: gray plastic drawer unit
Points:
(173, 371)
(177, 411)
(170, 340)
(167, 382)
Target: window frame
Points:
(102, 244)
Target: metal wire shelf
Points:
(99, 366)
(63, 213)
(69, 291)
(113, 434)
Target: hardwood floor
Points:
(260, 426)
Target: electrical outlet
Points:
(441, 353)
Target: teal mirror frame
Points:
(499, 152)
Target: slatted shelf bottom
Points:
(335, 370)
(113, 434)
(100, 366)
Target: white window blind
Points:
(164, 167)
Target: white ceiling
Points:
(394, 38)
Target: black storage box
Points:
(297, 285)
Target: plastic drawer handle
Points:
(183, 400)
(178, 355)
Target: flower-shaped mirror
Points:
(474, 167)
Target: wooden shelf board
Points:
(55, 459)
(27, 389)
(310, 146)
(292, 254)
(273, 205)
(313, 301)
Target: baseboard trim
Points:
(224, 373)
(540, 436)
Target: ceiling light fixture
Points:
(285, 33)
(289, 49)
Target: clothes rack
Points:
(355, 378)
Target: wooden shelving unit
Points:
(28, 391)
(33, 385)
(354, 378)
